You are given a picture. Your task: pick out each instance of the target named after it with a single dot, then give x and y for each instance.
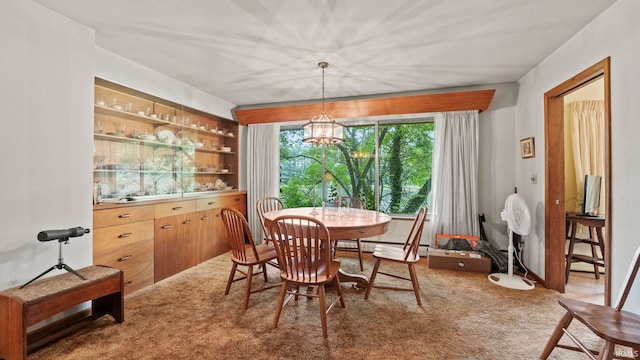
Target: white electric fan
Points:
(518, 219)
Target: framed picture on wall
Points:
(527, 149)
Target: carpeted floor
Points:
(187, 316)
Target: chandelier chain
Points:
(323, 65)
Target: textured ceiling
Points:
(256, 52)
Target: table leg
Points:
(360, 281)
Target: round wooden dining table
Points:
(343, 224)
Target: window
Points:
(404, 166)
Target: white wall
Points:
(46, 68)
(614, 33)
(496, 180)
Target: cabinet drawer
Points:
(120, 245)
(124, 215)
(112, 243)
(138, 276)
(174, 208)
(234, 201)
(122, 257)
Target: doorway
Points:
(555, 228)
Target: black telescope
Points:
(61, 235)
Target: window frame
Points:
(376, 122)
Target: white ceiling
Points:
(256, 52)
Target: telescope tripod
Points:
(60, 265)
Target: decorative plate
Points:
(166, 136)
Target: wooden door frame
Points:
(555, 227)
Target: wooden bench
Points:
(21, 308)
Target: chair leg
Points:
(283, 294)
(606, 351)
(339, 290)
(247, 291)
(231, 275)
(556, 335)
(264, 271)
(360, 253)
(372, 278)
(414, 281)
(323, 310)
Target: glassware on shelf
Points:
(98, 161)
(98, 126)
(119, 127)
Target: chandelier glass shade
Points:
(323, 129)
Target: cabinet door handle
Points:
(123, 216)
(177, 208)
(187, 222)
(127, 283)
(125, 258)
(211, 203)
(204, 218)
(125, 235)
(168, 226)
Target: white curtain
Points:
(454, 199)
(586, 124)
(263, 170)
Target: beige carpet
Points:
(188, 317)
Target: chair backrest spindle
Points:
(351, 202)
(629, 279)
(412, 244)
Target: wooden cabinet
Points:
(152, 241)
(181, 162)
(123, 238)
(189, 232)
(210, 243)
(175, 245)
(211, 232)
(148, 146)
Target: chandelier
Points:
(322, 129)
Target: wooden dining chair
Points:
(263, 206)
(356, 203)
(245, 252)
(305, 261)
(408, 254)
(612, 324)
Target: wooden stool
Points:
(592, 241)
